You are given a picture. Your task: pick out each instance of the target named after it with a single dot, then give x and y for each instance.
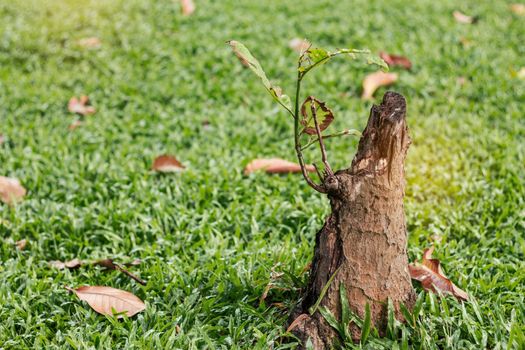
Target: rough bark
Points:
(364, 239)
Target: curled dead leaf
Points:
(167, 164)
(518, 9)
(299, 319)
(110, 301)
(187, 7)
(90, 43)
(21, 244)
(463, 18)
(11, 191)
(299, 45)
(374, 81)
(61, 265)
(432, 278)
(80, 106)
(395, 60)
(275, 166)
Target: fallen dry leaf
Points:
(275, 166)
(296, 322)
(299, 45)
(21, 244)
(518, 9)
(395, 60)
(375, 80)
(187, 7)
(167, 164)
(462, 18)
(11, 191)
(110, 301)
(80, 106)
(71, 264)
(90, 43)
(432, 278)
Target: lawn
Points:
(209, 237)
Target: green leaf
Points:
(330, 318)
(367, 323)
(324, 115)
(407, 314)
(247, 59)
(346, 313)
(390, 328)
(317, 56)
(313, 309)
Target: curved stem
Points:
(324, 158)
(309, 181)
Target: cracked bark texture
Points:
(365, 233)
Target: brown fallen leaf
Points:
(167, 164)
(462, 18)
(109, 264)
(11, 191)
(187, 7)
(71, 264)
(275, 166)
(21, 244)
(297, 321)
(395, 60)
(110, 301)
(518, 9)
(75, 124)
(375, 80)
(80, 106)
(299, 45)
(90, 43)
(432, 278)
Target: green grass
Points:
(209, 237)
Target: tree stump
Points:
(363, 241)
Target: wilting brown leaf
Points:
(11, 191)
(462, 18)
(109, 264)
(21, 244)
(518, 9)
(275, 166)
(71, 264)
(90, 43)
(167, 164)
(432, 278)
(297, 321)
(299, 45)
(75, 124)
(395, 60)
(324, 115)
(187, 7)
(80, 106)
(375, 80)
(110, 301)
